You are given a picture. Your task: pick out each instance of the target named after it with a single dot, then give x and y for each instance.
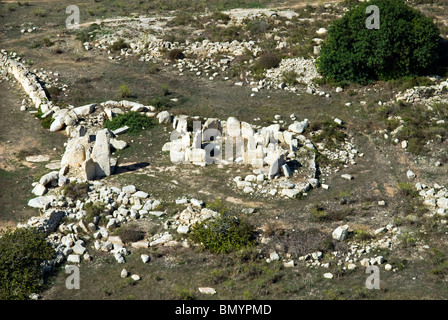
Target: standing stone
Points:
(88, 169)
(101, 153)
(233, 127)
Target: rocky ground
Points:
(333, 179)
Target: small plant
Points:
(318, 214)
(362, 235)
(134, 120)
(118, 45)
(440, 263)
(153, 68)
(76, 191)
(93, 210)
(176, 54)
(46, 42)
(290, 78)
(407, 189)
(185, 294)
(124, 91)
(39, 12)
(224, 234)
(217, 206)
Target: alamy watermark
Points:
(373, 281)
(73, 280)
(72, 21)
(373, 21)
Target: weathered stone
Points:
(40, 202)
(39, 190)
(49, 178)
(233, 127)
(118, 144)
(84, 110)
(88, 169)
(298, 127)
(206, 290)
(145, 258)
(39, 158)
(164, 117)
(340, 233)
(101, 153)
(74, 258)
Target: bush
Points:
(129, 234)
(134, 120)
(269, 60)
(124, 91)
(118, 45)
(224, 234)
(290, 77)
(76, 191)
(92, 210)
(87, 34)
(175, 54)
(22, 252)
(46, 42)
(406, 44)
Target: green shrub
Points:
(175, 54)
(185, 294)
(153, 68)
(118, 45)
(92, 210)
(45, 122)
(407, 189)
(318, 214)
(220, 16)
(76, 191)
(161, 103)
(134, 120)
(329, 132)
(124, 91)
(130, 234)
(87, 34)
(224, 234)
(269, 60)
(39, 12)
(46, 42)
(22, 252)
(290, 77)
(406, 44)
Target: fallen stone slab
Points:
(39, 158)
(120, 130)
(40, 202)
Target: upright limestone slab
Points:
(101, 153)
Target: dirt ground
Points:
(172, 270)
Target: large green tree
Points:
(406, 44)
